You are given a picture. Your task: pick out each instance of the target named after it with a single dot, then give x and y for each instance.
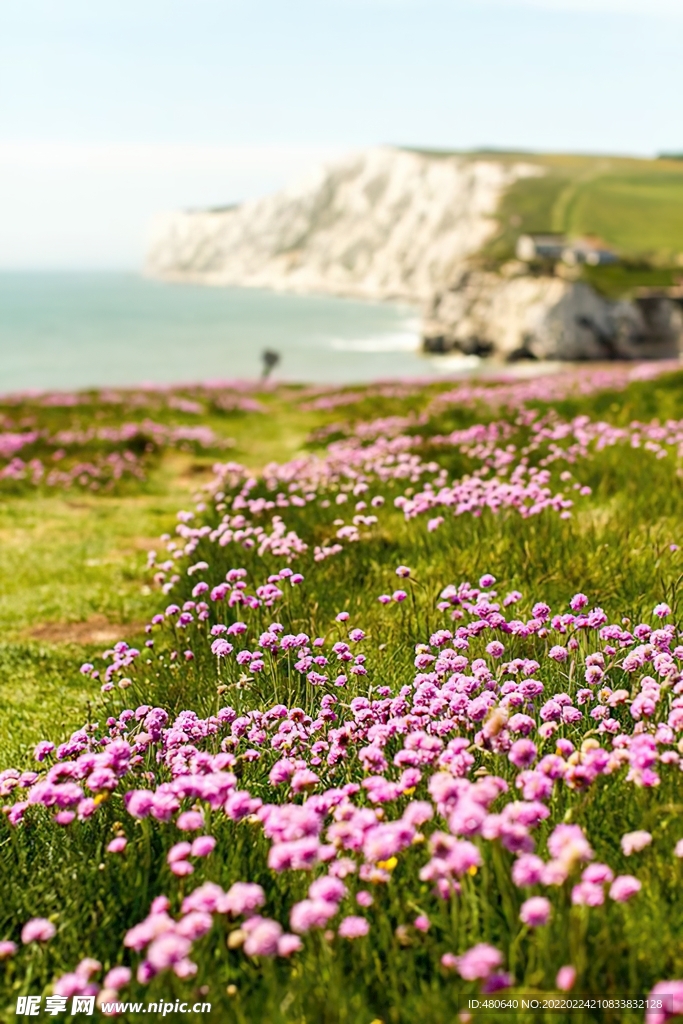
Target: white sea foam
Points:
(403, 342)
(454, 363)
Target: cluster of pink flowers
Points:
(93, 457)
(464, 706)
(515, 393)
(506, 716)
(516, 471)
(12, 442)
(167, 943)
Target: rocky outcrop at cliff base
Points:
(546, 317)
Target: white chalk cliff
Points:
(381, 224)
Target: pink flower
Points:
(88, 966)
(117, 845)
(311, 914)
(184, 968)
(478, 962)
(181, 868)
(69, 985)
(190, 821)
(7, 949)
(403, 571)
(221, 648)
(38, 929)
(678, 848)
(180, 851)
(522, 753)
(555, 872)
(288, 944)
(353, 927)
(527, 870)
(634, 842)
(168, 949)
(139, 802)
(326, 888)
(243, 898)
(496, 982)
(386, 840)
(598, 874)
(145, 972)
(202, 846)
(566, 976)
(670, 994)
(304, 779)
(495, 649)
(364, 898)
(624, 887)
(422, 923)
(117, 978)
(262, 940)
(418, 811)
(568, 844)
(535, 912)
(295, 855)
(194, 925)
(587, 894)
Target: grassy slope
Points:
(72, 576)
(632, 205)
(72, 564)
(616, 549)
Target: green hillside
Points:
(634, 206)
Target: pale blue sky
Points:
(113, 109)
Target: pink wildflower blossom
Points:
(190, 821)
(353, 927)
(479, 961)
(38, 929)
(566, 976)
(202, 846)
(263, 939)
(670, 994)
(535, 911)
(117, 845)
(634, 842)
(311, 914)
(624, 887)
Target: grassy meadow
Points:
(632, 205)
(396, 694)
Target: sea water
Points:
(68, 330)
